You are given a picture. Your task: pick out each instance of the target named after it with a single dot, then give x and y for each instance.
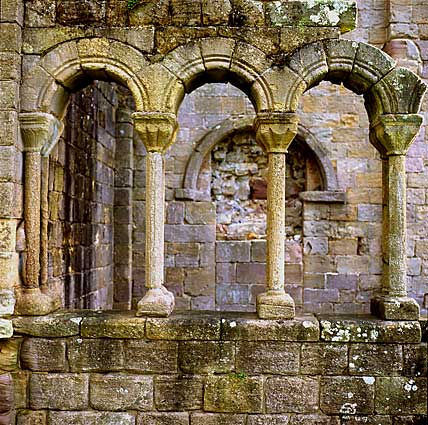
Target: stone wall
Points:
(85, 368)
(86, 197)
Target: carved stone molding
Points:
(392, 134)
(157, 130)
(275, 130)
(40, 131)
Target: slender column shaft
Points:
(155, 213)
(44, 208)
(276, 222)
(385, 226)
(32, 217)
(397, 238)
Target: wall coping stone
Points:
(227, 326)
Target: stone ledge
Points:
(368, 329)
(216, 326)
(326, 196)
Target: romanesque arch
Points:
(392, 97)
(245, 123)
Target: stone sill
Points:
(216, 326)
(326, 196)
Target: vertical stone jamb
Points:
(157, 131)
(274, 132)
(392, 135)
(38, 131)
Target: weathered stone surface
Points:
(184, 327)
(9, 354)
(150, 356)
(347, 395)
(178, 393)
(375, 359)
(206, 356)
(31, 418)
(200, 213)
(113, 327)
(229, 252)
(292, 394)
(268, 419)
(121, 392)
(267, 358)
(317, 420)
(7, 401)
(59, 391)
(6, 328)
(369, 330)
(304, 328)
(20, 387)
(54, 325)
(163, 419)
(94, 355)
(401, 395)
(237, 393)
(415, 360)
(90, 418)
(217, 419)
(324, 359)
(44, 355)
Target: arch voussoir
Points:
(281, 89)
(399, 92)
(217, 56)
(185, 62)
(310, 62)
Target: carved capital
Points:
(392, 134)
(40, 131)
(275, 130)
(157, 130)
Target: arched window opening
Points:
(90, 180)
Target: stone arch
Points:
(233, 124)
(67, 67)
(213, 60)
(365, 70)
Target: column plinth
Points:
(275, 132)
(157, 131)
(392, 135)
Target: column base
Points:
(34, 302)
(158, 302)
(275, 305)
(395, 308)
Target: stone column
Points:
(392, 135)
(275, 132)
(38, 130)
(157, 131)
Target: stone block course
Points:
(91, 418)
(401, 395)
(142, 356)
(179, 393)
(292, 394)
(44, 355)
(347, 395)
(375, 359)
(255, 358)
(206, 357)
(232, 251)
(170, 418)
(121, 392)
(237, 393)
(324, 359)
(61, 391)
